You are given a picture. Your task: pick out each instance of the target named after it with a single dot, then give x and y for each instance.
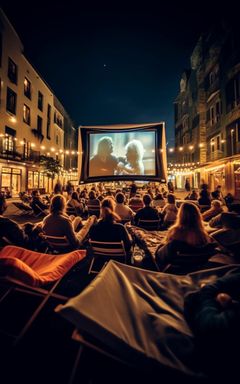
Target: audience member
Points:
(192, 195)
(170, 210)
(216, 208)
(107, 229)
(187, 233)
(10, 231)
(74, 202)
(146, 213)
(37, 204)
(158, 201)
(122, 210)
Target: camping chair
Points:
(103, 251)
(33, 275)
(150, 225)
(22, 209)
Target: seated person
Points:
(135, 202)
(204, 197)
(10, 231)
(37, 205)
(170, 210)
(121, 209)
(58, 223)
(74, 202)
(192, 195)
(216, 208)
(93, 204)
(107, 229)
(146, 213)
(230, 231)
(158, 200)
(213, 313)
(188, 231)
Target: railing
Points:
(18, 154)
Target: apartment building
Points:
(207, 113)
(31, 118)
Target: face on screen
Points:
(122, 153)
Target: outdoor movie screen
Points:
(122, 153)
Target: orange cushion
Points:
(37, 268)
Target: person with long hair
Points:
(107, 229)
(188, 233)
(58, 223)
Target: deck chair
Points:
(150, 225)
(93, 210)
(143, 322)
(102, 252)
(36, 275)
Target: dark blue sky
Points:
(111, 65)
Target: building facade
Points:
(31, 121)
(207, 113)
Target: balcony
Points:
(17, 154)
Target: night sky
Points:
(109, 65)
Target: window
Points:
(12, 71)
(27, 88)
(212, 115)
(57, 139)
(40, 101)
(26, 114)
(39, 124)
(0, 90)
(218, 143)
(233, 93)
(218, 110)
(9, 142)
(11, 104)
(48, 121)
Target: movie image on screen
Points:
(122, 153)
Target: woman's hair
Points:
(107, 210)
(75, 196)
(189, 220)
(159, 196)
(58, 204)
(171, 198)
(136, 147)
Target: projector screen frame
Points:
(160, 152)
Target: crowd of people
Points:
(186, 223)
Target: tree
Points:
(51, 167)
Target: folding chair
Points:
(103, 252)
(57, 244)
(34, 275)
(71, 211)
(93, 210)
(150, 225)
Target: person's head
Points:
(171, 198)
(189, 216)
(120, 198)
(147, 199)
(3, 204)
(216, 204)
(159, 196)
(35, 193)
(74, 196)
(105, 146)
(230, 220)
(107, 210)
(92, 195)
(134, 151)
(58, 204)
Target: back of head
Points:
(189, 216)
(107, 210)
(147, 199)
(92, 195)
(74, 196)
(35, 193)
(216, 203)
(119, 197)
(58, 204)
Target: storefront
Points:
(38, 180)
(11, 179)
